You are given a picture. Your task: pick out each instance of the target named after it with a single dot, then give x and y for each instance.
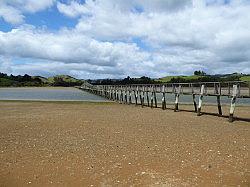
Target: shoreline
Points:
(37, 87)
(109, 101)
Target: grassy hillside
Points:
(43, 79)
(205, 78)
(186, 78)
(245, 78)
(65, 78)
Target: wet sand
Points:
(105, 144)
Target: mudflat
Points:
(109, 144)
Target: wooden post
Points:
(233, 103)
(106, 92)
(113, 93)
(126, 96)
(155, 96)
(109, 93)
(163, 98)
(151, 98)
(121, 95)
(218, 93)
(136, 95)
(117, 94)
(177, 95)
(195, 105)
(200, 99)
(130, 96)
(142, 96)
(147, 96)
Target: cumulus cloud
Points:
(116, 38)
(74, 9)
(69, 47)
(12, 10)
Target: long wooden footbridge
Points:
(150, 94)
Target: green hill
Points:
(205, 78)
(4, 82)
(245, 78)
(191, 78)
(26, 80)
(65, 78)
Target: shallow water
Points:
(51, 94)
(74, 94)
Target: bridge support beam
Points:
(177, 95)
(200, 99)
(152, 97)
(163, 98)
(130, 96)
(218, 92)
(195, 105)
(233, 103)
(126, 95)
(155, 98)
(147, 96)
(136, 95)
(142, 94)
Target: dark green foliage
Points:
(27, 80)
(202, 73)
(68, 81)
(128, 80)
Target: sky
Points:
(92, 39)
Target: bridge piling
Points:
(163, 98)
(177, 95)
(200, 99)
(217, 89)
(147, 90)
(233, 103)
(155, 98)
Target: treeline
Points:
(27, 80)
(68, 81)
(128, 80)
(19, 80)
(206, 78)
(199, 76)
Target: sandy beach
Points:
(109, 144)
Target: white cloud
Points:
(180, 36)
(12, 11)
(72, 49)
(74, 9)
(5, 64)
(10, 14)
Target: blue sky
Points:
(117, 38)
